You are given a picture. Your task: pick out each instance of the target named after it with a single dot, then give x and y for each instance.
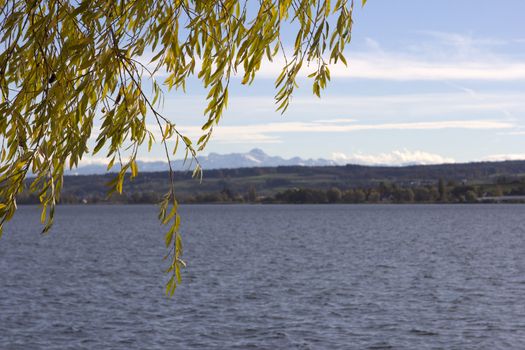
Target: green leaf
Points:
(134, 169)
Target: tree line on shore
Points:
(439, 192)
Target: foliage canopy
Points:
(66, 63)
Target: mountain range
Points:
(254, 158)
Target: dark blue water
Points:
(268, 277)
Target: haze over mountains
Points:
(258, 158)
(255, 158)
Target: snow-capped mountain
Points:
(255, 158)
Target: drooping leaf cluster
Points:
(72, 70)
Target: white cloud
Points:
(405, 68)
(442, 56)
(271, 133)
(90, 160)
(501, 157)
(288, 127)
(263, 133)
(448, 56)
(334, 108)
(397, 157)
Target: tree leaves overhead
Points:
(66, 64)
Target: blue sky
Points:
(427, 81)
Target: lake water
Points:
(268, 277)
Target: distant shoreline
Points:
(437, 184)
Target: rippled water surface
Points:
(268, 277)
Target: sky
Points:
(427, 82)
